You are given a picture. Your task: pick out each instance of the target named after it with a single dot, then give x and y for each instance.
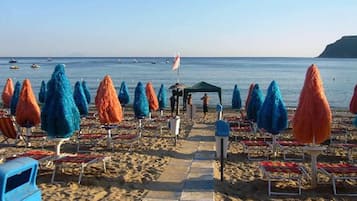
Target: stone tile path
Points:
(189, 174)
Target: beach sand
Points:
(129, 172)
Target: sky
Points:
(195, 28)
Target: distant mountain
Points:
(346, 47)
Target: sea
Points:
(339, 75)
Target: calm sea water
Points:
(339, 75)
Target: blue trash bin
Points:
(18, 180)
(222, 132)
(219, 110)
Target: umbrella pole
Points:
(28, 133)
(109, 138)
(274, 146)
(314, 151)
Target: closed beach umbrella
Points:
(353, 103)
(42, 93)
(312, 119)
(141, 104)
(251, 87)
(80, 99)
(124, 94)
(273, 116)
(15, 98)
(59, 116)
(236, 99)
(162, 97)
(355, 121)
(7, 93)
(27, 109)
(255, 102)
(152, 98)
(107, 102)
(86, 91)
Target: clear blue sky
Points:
(164, 27)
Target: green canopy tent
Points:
(202, 87)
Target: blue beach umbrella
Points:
(355, 121)
(273, 116)
(236, 99)
(80, 99)
(162, 97)
(15, 98)
(86, 91)
(124, 94)
(42, 93)
(60, 116)
(256, 101)
(141, 104)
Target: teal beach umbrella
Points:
(42, 93)
(236, 99)
(256, 101)
(59, 116)
(141, 104)
(86, 91)
(124, 94)
(162, 97)
(15, 98)
(273, 116)
(80, 99)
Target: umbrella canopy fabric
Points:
(86, 91)
(255, 102)
(80, 99)
(236, 99)
(15, 98)
(107, 102)
(42, 93)
(162, 97)
(124, 94)
(59, 116)
(312, 119)
(7, 93)
(273, 116)
(27, 109)
(251, 87)
(353, 103)
(355, 121)
(152, 98)
(141, 104)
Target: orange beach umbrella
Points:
(27, 109)
(312, 120)
(107, 102)
(7, 93)
(353, 103)
(152, 98)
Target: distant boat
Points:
(35, 66)
(14, 67)
(135, 61)
(49, 59)
(12, 60)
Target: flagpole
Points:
(178, 75)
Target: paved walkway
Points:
(189, 174)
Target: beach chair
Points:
(291, 147)
(282, 171)
(255, 149)
(43, 157)
(88, 139)
(128, 134)
(82, 160)
(12, 134)
(340, 171)
(348, 147)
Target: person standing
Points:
(205, 100)
(172, 104)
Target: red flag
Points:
(176, 63)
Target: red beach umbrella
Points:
(251, 87)
(107, 102)
(27, 109)
(353, 103)
(7, 93)
(312, 120)
(152, 98)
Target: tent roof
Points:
(203, 87)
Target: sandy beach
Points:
(130, 171)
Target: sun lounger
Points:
(83, 160)
(349, 147)
(256, 148)
(282, 171)
(340, 171)
(43, 157)
(288, 147)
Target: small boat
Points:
(14, 67)
(49, 59)
(35, 66)
(12, 61)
